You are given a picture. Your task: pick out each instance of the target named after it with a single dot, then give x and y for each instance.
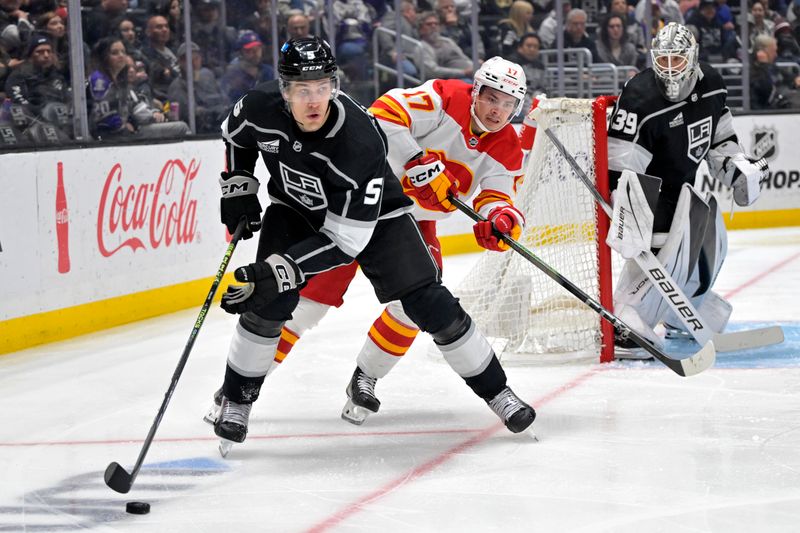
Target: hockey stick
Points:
(671, 292)
(690, 366)
(117, 477)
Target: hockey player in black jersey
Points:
(333, 200)
(667, 120)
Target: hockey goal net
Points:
(528, 317)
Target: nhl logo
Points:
(297, 146)
(764, 143)
(473, 142)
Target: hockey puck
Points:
(137, 507)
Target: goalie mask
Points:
(504, 76)
(307, 59)
(674, 53)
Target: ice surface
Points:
(624, 447)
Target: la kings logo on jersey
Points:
(699, 139)
(765, 143)
(304, 188)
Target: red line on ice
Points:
(758, 277)
(425, 468)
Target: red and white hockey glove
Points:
(427, 181)
(505, 219)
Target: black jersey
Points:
(649, 134)
(337, 178)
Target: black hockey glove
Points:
(239, 199)
(265, 280)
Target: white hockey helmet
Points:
(503, 75)
(674, 52)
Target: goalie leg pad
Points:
(389, 338)
(716, 311)
(679, 256)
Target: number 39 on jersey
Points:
(625, 122)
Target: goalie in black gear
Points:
(667, 120)
(333, 200)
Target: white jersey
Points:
(434, 118)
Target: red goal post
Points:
(528, 317)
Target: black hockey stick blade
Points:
(118, 479)
(695, 364)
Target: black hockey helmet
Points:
(306, 58)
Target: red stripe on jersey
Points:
(388, 109)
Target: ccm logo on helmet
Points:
(311, 67)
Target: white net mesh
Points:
(528, 317)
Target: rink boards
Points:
(96, 237)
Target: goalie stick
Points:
(671, 292)
(690, 366)
(116, 477)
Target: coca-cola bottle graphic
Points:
(62, 223)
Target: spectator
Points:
(613, 46)
(709, 33)
(246, 70)
(457, 28)
(788, 48)
(633, 29)
(99, 23)
(353, 19)
(15, 30)
(510, 29)
(112, 102)
(146, 115)
(769, 87)
(298, 26)
(440, 56)
(260, 21)
(162, 64)
(52, 24)
(408, 27)
(527, 56)
(5, 69)
(218, 40)
(38, 82)
(211, 104)
(172, 11)
(759, 23)
(549, 26)
(139, 81)
(669, 11)
(126, 29)
(575, 33)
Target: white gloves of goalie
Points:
(729, 165)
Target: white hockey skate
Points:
(231, 424)
(361, 399)
(515, 414)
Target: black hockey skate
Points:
(231, 424)
(361, 400)
(515, 414)
(213, 411)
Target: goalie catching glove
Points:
(505, 219)
(429, 182)
(239, 200)
(745, 175)
(265, 280)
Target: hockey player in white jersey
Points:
(667, 120)
(449, 136)
(333, 201)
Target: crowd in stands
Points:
(134, 52)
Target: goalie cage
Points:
(528, 317)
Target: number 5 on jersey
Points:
(374, 189)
